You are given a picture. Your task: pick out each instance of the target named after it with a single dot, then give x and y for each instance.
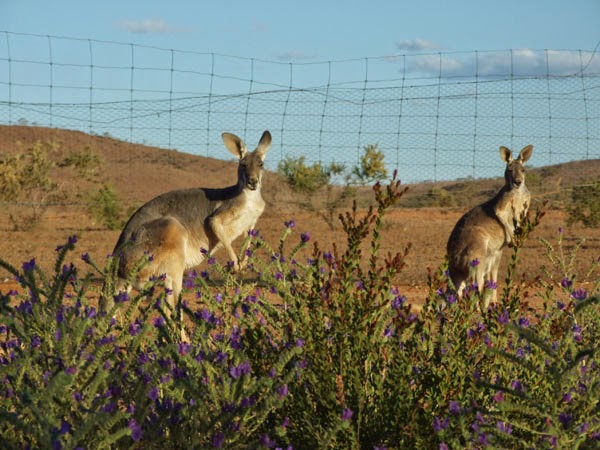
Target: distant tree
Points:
(372, 167)
(585, 206)
(307, 178)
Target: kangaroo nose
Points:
(518, 182)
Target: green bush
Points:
(585, 204)
(318, 350)
(26, 174)
(372, 167)
(307, 178)
(86, 162)
(105, 207)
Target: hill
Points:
(79, 165)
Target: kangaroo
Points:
(177, 229)
(482, 233)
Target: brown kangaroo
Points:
(178, 228)
(483, 232)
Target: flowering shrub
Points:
(316, 352)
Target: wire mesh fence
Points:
(436, 116)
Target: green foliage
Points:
(585, 204)
(372, 167)
(307, 178)
(313, 352)
(85, 162)
(73, 376)
(105, 207)
(437, 196)
(26, 174)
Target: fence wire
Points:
(436, 116)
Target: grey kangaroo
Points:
(483, 232)
(178, 228)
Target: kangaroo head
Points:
(250, 166)
(515, 170)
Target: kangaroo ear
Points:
(234, 144)
(506, 154)
(264, 144)
(526, 153)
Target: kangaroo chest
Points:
(240, 215)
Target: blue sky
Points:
(315, 30)
(434, 83)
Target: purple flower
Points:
(523, 322)
(184, 348)
(240, 370)
(35, 341)
(299, 342)
(483, 439)
(25, 307)
(135, 328)
(454, 407)
(491, 285)
(153, 393)
(29, 266)
(305, 237)
(565, 419)
(443, 446)
(159, 321)
(86, 257)
(217, 440)
(398, 301)
(266, 441)
(498, 396)
(517, 386)
(252, 233)
(282, 391)
(440, 424)
(347, 414)
(289, 223)
(503, 318)
(474, 263)
(71, 370)
(579, 294)
(121, 297)
(577, 333)
(504, 427)
(566, 283)
(136, 430)
(90, 312)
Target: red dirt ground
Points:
(138, 173)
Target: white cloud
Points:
(295, 55)
(520, 62)
(146, 26)
(416, 45)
